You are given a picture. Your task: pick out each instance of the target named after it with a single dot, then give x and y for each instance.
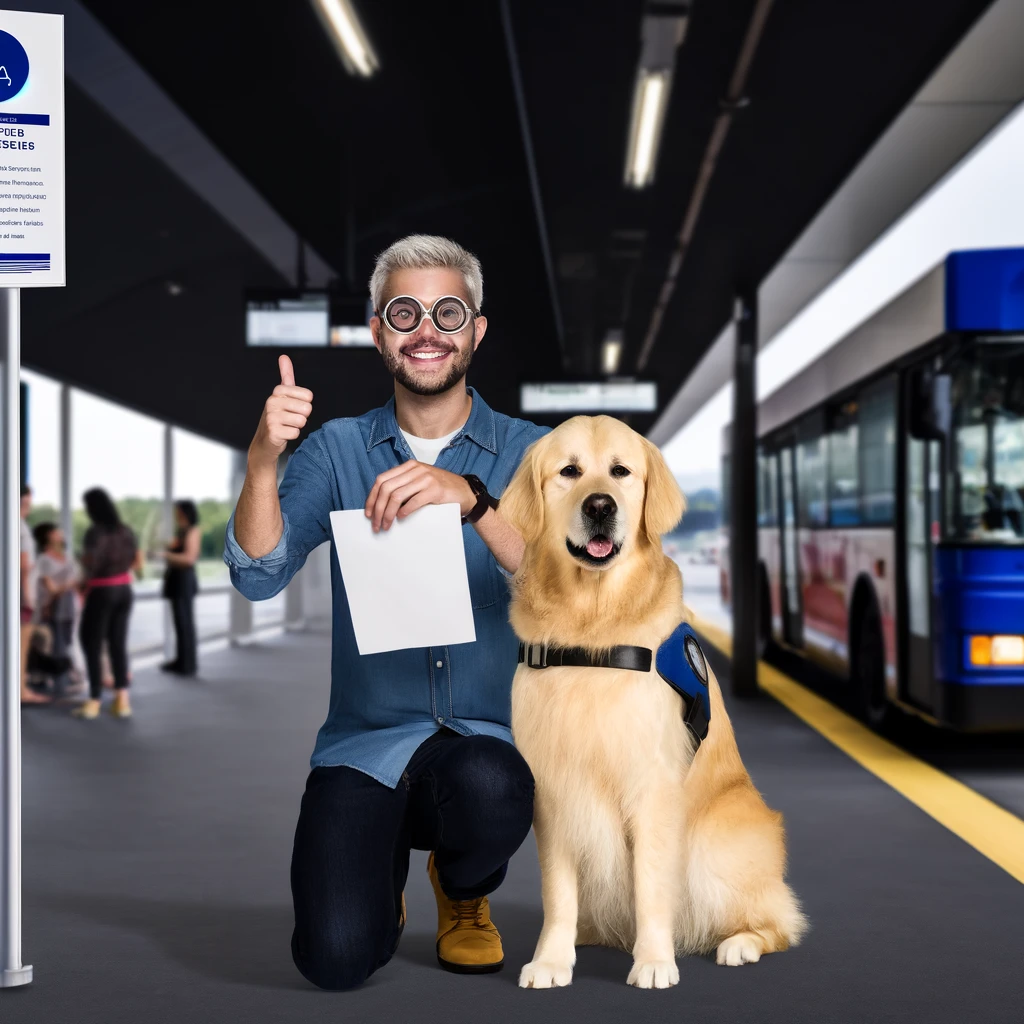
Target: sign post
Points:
(31, 255)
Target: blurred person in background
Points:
(27, 547)
(181, 585)
(109, 556)
(56, 604)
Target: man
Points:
(411, 736)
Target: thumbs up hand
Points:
(284, 415)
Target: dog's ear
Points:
(522, 504)
(664, 503)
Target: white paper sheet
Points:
(407, 586)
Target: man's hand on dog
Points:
(400, 491)
(284, 416)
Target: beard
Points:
(409, 380)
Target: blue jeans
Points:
(467, 798)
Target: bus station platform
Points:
(156, 880)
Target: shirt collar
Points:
(479, 427)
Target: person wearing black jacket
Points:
(181, 585)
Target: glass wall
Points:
(202, 474)
(123, 452)
(42, 471)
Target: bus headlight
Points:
(997, 650)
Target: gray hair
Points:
(427, 252)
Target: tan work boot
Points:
(467, 942)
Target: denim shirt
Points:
(383, 706)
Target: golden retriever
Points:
(644, 845)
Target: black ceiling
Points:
(266, 86)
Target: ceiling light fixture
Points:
(343, 26)
(611, 352)
(661, 32)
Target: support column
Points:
(66, 499)
(240, 620)
(743, 500)
(167, 517)
(12, 971)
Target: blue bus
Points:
(891, 502)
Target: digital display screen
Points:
(590, 396)
(287, 319)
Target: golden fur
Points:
(643, 845)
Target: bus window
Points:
(987, 492)
(843, 475)
(877, 418)
(811, 481)
(767, 491)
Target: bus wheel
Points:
(764, 616)
(868, 675)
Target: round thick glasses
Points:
(449, 314)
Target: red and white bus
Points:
(891, 502)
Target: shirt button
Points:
(440, 721)
(440, 664)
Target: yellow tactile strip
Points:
(991, 830)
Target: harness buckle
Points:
(542, 655)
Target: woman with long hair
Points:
(109, 555)
(181, 585)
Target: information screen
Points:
(590, 396)
(287, 319)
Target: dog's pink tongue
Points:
(599, 547)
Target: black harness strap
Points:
(637, 659)
(680, 662)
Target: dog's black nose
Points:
(599, 507)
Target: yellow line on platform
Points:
(990, 829)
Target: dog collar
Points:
(637, 659)
(680, 662)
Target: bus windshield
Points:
(987, 456)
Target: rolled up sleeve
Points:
(307, 497)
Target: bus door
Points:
(922, 505)
(789, 564)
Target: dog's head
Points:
(592, 491)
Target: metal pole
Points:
(13, 971)
(240, 627)
(743, 501)
(66, 516)
(168, 531)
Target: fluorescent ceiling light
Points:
(649, 102)
(343, 25)
(611, 352)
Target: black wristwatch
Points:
(483, 500)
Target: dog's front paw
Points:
(543, 974)
(654, 974)
(744, 948)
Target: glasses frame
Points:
(427, 314)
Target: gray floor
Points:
(156, 882)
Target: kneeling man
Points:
(416, 751)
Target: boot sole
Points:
(470, 968)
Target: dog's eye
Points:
(571, 471)
(620, 471)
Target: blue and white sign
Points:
(31, 150)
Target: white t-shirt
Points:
(427, 449)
